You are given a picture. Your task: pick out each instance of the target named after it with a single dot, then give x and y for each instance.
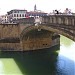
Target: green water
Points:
(9, 67)
(50, 61)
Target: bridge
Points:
(61, 24)
(48, 27)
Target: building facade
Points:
(16, 14)
(36, 13)
(4, 18)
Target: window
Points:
(14, 15)
(17, 15)
(22, 15)
(25, 15)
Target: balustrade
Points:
(64, 23)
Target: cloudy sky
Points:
(44, 5)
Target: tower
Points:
(35, 8)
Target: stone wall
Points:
(9, 30)
(37, 43)
(32, 40)
(9, 37)
(35, 40)
(10, 46)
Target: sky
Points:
(44, 5)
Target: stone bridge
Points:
(56, 24)
(31, 35)
(61, 24)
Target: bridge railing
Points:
(65, 23)
(59, 19)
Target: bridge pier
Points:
(35, 40)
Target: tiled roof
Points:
(32, 12)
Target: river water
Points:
(42, 62)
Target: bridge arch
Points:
(45, 27)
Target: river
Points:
(41, 62)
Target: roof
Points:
(16, 10)
(33, 12)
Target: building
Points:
(32, 15)
(36, 12)
(4, 18)
(35, 8)
(16, 14)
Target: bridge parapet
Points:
(59, 19)
(64, 23)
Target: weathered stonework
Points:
(27, 36)
(37, 40)
(9, 30)
(11, 40)
(9, 37)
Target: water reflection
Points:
(9, 67)
(46, 62)
(38, 63)
(65, 66)
(1, 68)
(65, 63)
(41, 62)
(65, 41)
